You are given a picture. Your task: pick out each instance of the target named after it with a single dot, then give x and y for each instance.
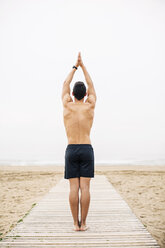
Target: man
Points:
(79, 155)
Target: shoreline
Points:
(97, 167)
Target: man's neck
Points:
(81, 101)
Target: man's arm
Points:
(91, 89)
(66, 84)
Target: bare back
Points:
(78, 120)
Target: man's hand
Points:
(79, 60)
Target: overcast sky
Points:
(122, 47)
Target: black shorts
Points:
(79, 161)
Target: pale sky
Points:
(122, 47)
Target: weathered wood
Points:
(111, 221)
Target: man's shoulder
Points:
(91, 100)
(77, 107)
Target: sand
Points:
(142, 187)
(21, 187)
(144, 192)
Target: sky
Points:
(122, 47)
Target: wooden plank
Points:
(111, 222)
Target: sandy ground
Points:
(142, 187)
(144, 191)
(21, 187)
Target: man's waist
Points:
(79, 145)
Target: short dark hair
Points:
(79, 90)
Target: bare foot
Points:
(76, 228)
(83, 227)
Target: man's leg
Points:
(74, 200)
(84, 201)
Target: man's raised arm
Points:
(91, 89)
(66, 84)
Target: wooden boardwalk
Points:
(111, 222)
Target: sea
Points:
(158, 162)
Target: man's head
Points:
(79, 90)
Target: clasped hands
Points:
(79, 61)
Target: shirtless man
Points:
(79, 154)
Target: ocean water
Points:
(159, 162)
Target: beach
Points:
(142, 187)
(21, 187)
